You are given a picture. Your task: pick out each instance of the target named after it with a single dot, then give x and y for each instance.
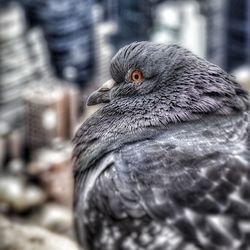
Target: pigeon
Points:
(164, 163)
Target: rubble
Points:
(17, 196)
(31, 238)
(54, 217)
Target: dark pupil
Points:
(136, 76)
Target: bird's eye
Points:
(136, 76)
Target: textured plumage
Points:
(164, 164)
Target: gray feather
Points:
(165, 165)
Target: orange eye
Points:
(136, 76)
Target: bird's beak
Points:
(101, 95)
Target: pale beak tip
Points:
(102, 94)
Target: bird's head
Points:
(169, 81)
(137, 69)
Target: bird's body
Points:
(165, 164)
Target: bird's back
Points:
(184, 186)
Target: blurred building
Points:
(51, 113)
(228, 22)
(134, 20)
(181, 22)
(104, 28)
(238, 33)
(24, 60)
(216, 40)
(68, 28)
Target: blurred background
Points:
(53, 53)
